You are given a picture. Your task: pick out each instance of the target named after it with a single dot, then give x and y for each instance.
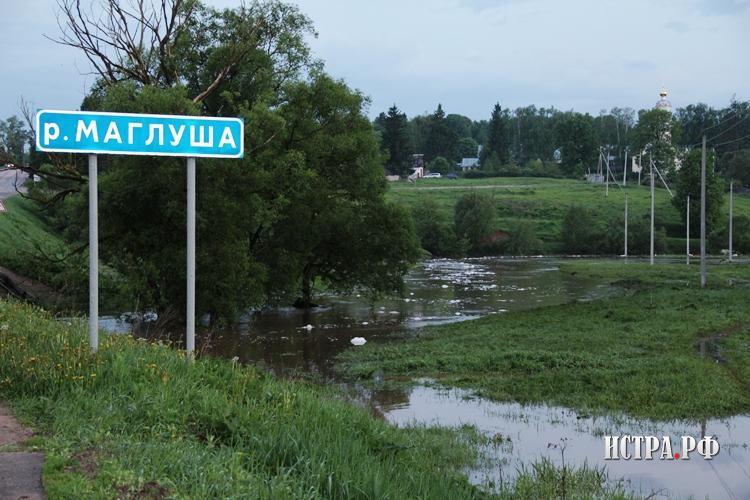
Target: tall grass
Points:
(210, 429)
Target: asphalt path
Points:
(9, 180)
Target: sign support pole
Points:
(93, 255)
(626, 226)
(687, 230)
(190, 319)
(653, 195)
(731, 208)
(703, 213)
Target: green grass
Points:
(634, 353)
(136, 420)
(544, 203)
(23, 233)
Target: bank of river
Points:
(440, 292)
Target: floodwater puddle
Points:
(528, 433)
(438, 291)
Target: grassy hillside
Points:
(25, 237)
(544, 203)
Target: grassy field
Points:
(137, 421)
(635, 353)
(544, 203)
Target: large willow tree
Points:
(305, 203)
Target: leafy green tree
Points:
(688, 183)
(474, 220)
(441, 166)
(306, 202)
(533, 134)
(13, 139)
(395, 141)
(694, 119)
(498, 136)
(441, 138)
(523, 239)
(338, 226)
(575, 136)
(466, 148)
(736, 165)
(460, 125)
(436, 235)
(657, 132)
(580, 232)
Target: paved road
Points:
(9, 179)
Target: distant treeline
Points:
(551, 142)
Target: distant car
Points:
(433, 175)
(452, 177)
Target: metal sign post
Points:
(731, 217)
(190, 312)
(626, 226)
(139, 134)
(93, 255)
(687, 230)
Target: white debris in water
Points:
(394, 312)
(365, 323)
(307, 327)
(358, 341)
(444, 286)
(412, 293)
(458, 314)
(150, 316)
(407, 300)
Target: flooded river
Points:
(529, 433)
(290, 340)
(437, 292)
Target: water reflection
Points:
(527, 431)
(437, 292)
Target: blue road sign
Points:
(139, 134)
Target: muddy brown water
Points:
(437, 292)
(289, 340)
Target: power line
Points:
(730, 128)
(722, 122)
(730, 142)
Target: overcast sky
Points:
(585, 55)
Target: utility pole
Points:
(606, 174)
(625, 172)
(687, 229)
(626, 225)
(653, 195)
(731, 200)
(640, 167)
(703, 213)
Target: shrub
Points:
(474, 219)
(523, 240)
(580, 232)
(435, 233)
